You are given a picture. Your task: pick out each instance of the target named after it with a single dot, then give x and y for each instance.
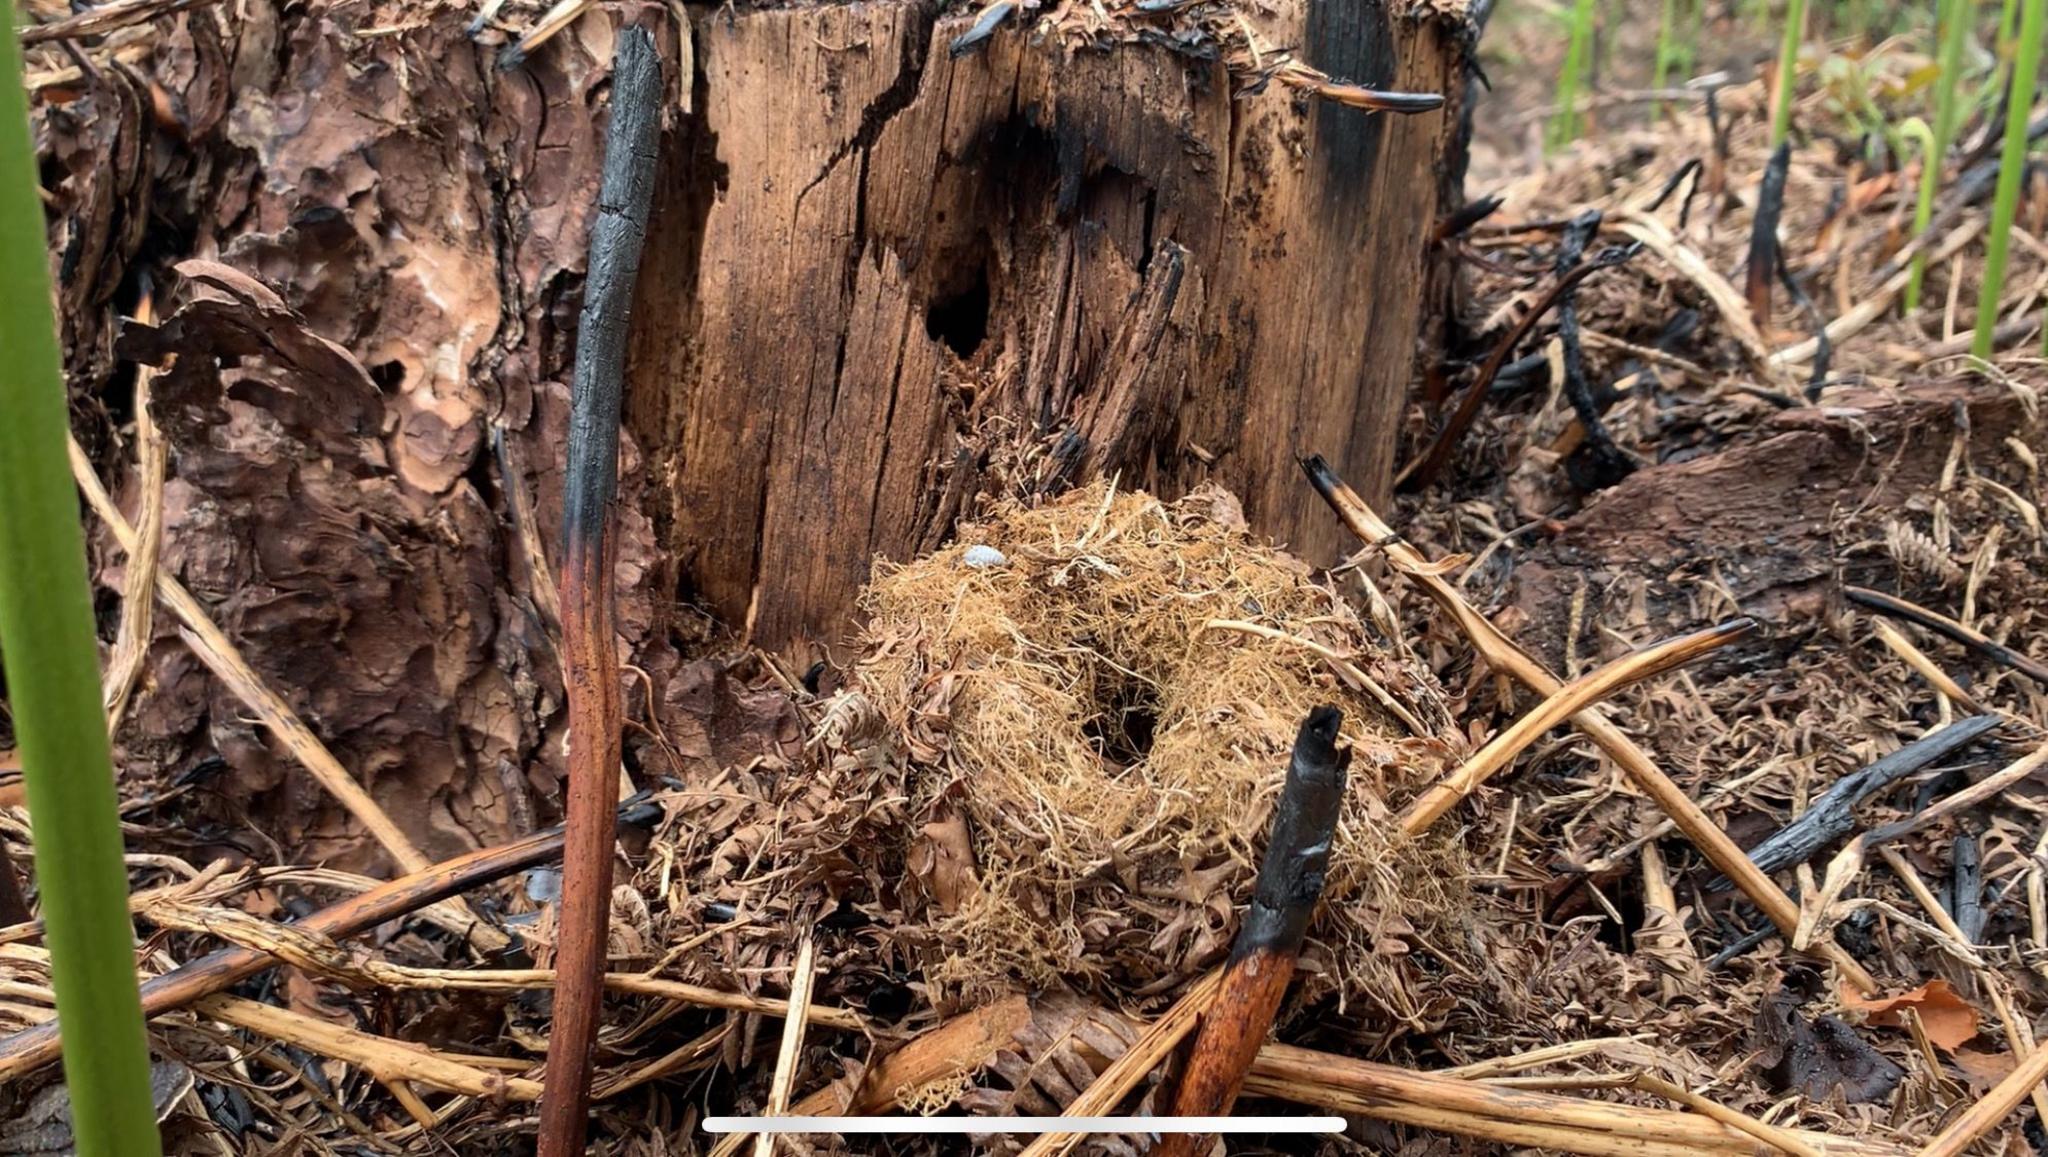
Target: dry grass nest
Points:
(1064, 740)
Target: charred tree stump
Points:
(894, 277)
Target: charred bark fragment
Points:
(588, 587)
(1255, 980)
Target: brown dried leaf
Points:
(1951, 1021)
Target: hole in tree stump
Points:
(961, 319)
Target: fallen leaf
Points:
(1950, 1021)
(1983, 1069)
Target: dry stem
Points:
(1500, 652)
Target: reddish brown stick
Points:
(38, 1045)
(1433, 459)
(1262, 960)
(589, 542)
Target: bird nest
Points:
(1057, 758)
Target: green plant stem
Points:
(46, 633)
(1577, 56)
(1956, 18)
(2012, 168)
(1667, 39)
(1788, 69)
(1917, 130)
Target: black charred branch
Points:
(1298, 851)
(1763, 234)
(1254, 982)
(1599, 463)
(587, 586)
(1949, 629)
(1833, 815)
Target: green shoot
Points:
(46, 628)
(1660, 68)
(1578, 56)
(1957, 16)
(2012, 165)
(1788, 68)
(1674, 44)
(1916, 130)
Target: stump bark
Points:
(882, 282)
(886, 278)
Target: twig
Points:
(1783, 1140)
(38, 1045)
(959, 1046)
(589, 600)
(1504, 1116)
(1969, 797)
(1432, 460)
(1763, 237)
(1562, 704)
(561, 16)
(214, 649)
(1833, 815)
(138, 590)
(1503, 655)
(392, 1063)
(1966, 889)
(106, 18)
(1351, 671)
(1923, 666)
(801, 979)
(1997, 1104)
(1262, 958)
(1608, 464)
(321, 955)
(1948, 628)
(1874, 305)
(1534, 1058)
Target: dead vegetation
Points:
(993, 869)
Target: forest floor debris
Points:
(1054, 756)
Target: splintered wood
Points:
(939, 315)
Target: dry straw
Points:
(1089, 770)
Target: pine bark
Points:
(882, 284)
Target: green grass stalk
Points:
(1788, 69)
(1578, 55)
(1956, 19)
(1667, 38)
(46, 632)
(2012, 167)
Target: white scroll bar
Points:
(991, 1125)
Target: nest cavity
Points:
(1090, 707)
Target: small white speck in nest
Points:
(984, 557)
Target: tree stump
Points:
(885, 277)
